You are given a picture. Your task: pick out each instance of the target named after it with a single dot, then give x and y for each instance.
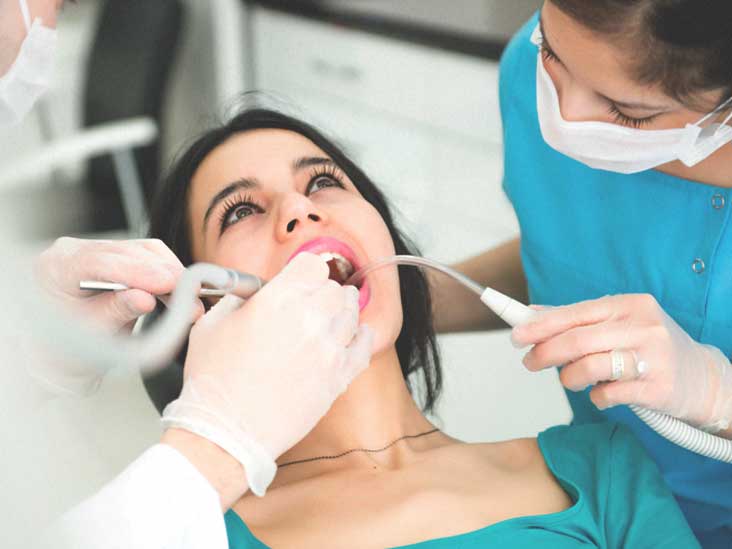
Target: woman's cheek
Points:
(384, 313)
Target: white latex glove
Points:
(259, 377)
(147, 265)
(666, 370)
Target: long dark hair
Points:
(685, 46)
(416, 345)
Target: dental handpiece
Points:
(243, 285)
(511, 311)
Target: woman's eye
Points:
(323, 182)
(237, 213)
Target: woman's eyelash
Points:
(331, 171)
(626, 120)
(231, 204)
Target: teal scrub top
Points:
(586, 233)
(619, 500)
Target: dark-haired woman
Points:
(374, 472)
(618, 163)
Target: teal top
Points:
(619, 500)
(586, 233)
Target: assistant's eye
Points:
(547, 53)
(625, 120)
(236, 209)
(322, 178)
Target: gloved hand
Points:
(665, 369)
(146, 265)
(259, 376)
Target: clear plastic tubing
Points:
(514, 313)
(510, 310)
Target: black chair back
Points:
(127, 75)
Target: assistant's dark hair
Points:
(416, 345)
(685, 46)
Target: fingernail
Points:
(527, 360)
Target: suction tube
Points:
(515, 313)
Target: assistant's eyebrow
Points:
(243, 183)
(308, 161)
(636, 106)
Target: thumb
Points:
(117, 309)
(358, 356)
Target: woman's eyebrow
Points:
(307, 161)
(242, 183)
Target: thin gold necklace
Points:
(357, 450)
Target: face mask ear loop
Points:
(725, 121)
(715, 111)
(536, 37)
(26, 13)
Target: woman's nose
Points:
(297, 213)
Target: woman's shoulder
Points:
(577, 448)
(514, 456)
(585, 455)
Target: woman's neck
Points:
(375, 410)
(715, 170)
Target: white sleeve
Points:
(160, 501)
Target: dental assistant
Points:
(223, 434)
(618, 163)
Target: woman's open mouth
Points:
(341, 260)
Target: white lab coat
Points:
(159, 501)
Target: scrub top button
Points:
(698, 266)
(718, 201)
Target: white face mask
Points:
(616, 148)
(30, 74)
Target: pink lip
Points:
(329, 244)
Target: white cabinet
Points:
(425, 125)
(430, 87)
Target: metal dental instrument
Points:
(243, 285)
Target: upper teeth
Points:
(345, 268)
